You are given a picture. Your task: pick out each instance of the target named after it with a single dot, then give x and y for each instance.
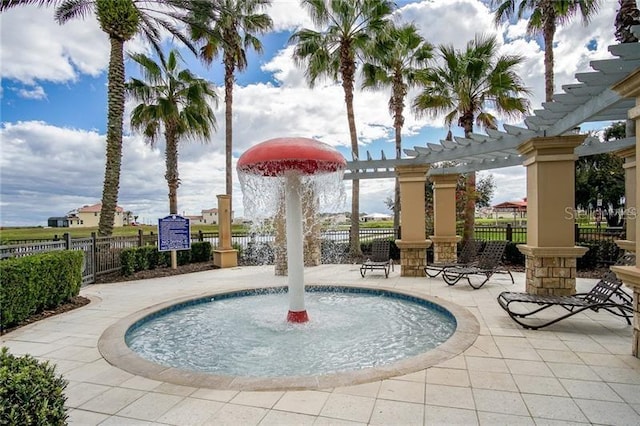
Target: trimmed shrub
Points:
(512, 255)
(31, 284)
(30, 391)
(201, 251)
(128, 261)
(184, 257)
(141, 259)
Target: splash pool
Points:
(245, 334)
(240, 340)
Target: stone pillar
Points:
(445, 240)
(629, 156)
(630, 275)
(280, 243)
(224, 256)
(413, 245)
(312, 228)
(550, 252)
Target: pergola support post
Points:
(629, 157)
(224, 256)
(445, 240)
(630, 275)
(550, 252)
(413, 245)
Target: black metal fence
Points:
(102, 254)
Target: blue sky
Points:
(54, 109)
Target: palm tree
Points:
(121, 20)
(347, 28)
(466, 86)
(173, 101)
(628, 15)
(234, 26)
(544, 16)
(394, 59)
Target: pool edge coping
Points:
(114, 350)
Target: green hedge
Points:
(30, 392)
(31, 284)
(148, 257)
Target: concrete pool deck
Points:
(579, 371)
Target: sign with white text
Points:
(174, 233)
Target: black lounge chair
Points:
(606, 295)
(468, 255)
(489, 263)
(380, 258)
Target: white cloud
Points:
(35, 47)
(48, 170)
(33, 92)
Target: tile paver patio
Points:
(579, 370)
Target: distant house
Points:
(515, 208)
(376, 217)
(210, 216)
(58, 222)
(85, 217)
(195, 220)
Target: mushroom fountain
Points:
(289, 164)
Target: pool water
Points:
(248, 335)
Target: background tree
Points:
(628, 15)
(121, 20)
(234, 27)
(544, 17)
(392, 61)
(466, 86)
(347, 28)
(173, 101)
(601, 176)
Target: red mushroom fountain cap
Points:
(276, 156)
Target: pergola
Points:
(547, 147)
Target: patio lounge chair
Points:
(380, 258)
(467, 256)
(488, 264)
(606, 295)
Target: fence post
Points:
(577, 232)
(94, 254)
(509, 232)
(200, 236)
(140, 238)
(67, 240)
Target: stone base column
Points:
(280, 243)
(626, 245)
(551, 270)
(630, 275)
(445, 249)
(224, 256)
(413, 257)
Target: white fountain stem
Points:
(295, 254)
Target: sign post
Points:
(174, 233)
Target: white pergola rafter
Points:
(590, 100)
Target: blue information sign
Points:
(174, 233)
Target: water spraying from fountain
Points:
(289, 167)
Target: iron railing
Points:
(102, 254)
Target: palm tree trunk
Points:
(548, 33)
(397, 102)
(628, 15)
(228, 115)
(347, 68)
(171, 175)
(115, 93)
(396, 190)
(466, 122)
